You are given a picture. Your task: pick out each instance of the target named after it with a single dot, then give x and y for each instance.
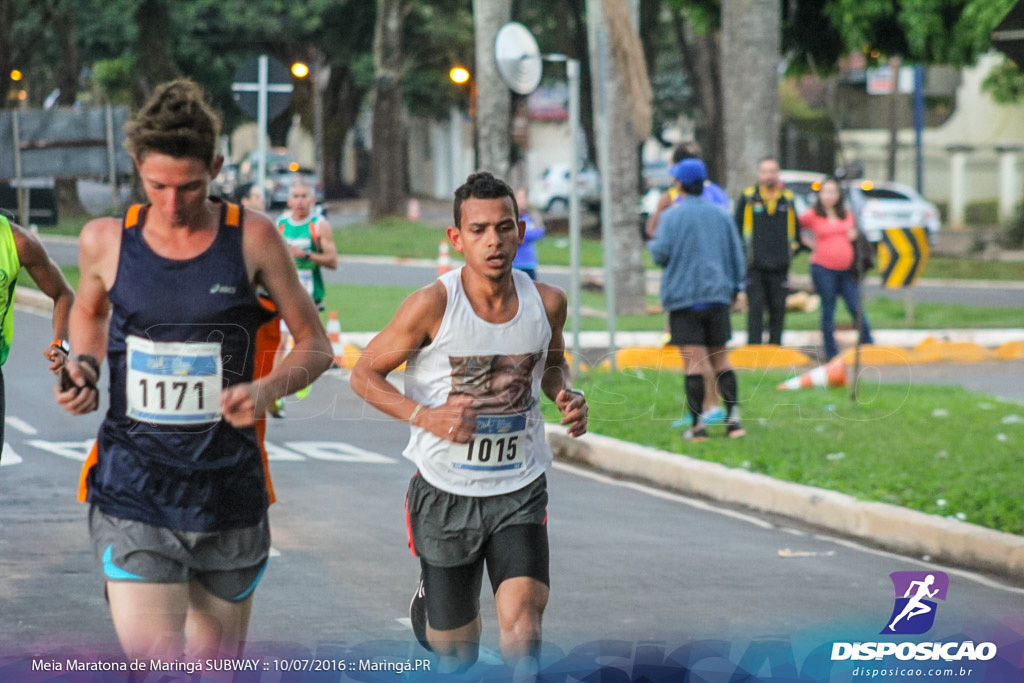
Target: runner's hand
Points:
(57, 358)
(573, 406)
(76, 390)
(238, 405)
(455, 420)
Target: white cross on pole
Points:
(261, 88)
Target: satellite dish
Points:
(518, 58)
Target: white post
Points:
(1009, 182)
(572, 68)
(455, 131)
(261, 123)
(958, 194)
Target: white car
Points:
(803, 185)
(550, 192)
(883, 205)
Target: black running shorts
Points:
(708, 326)
(455, 536)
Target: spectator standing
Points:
(526, 257)
(833, 232)
(766, 217)
(699, 248)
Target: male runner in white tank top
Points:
(481, 343)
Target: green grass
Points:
(955, 465)
(364, 308)
(367, 308)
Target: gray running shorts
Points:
(228, 564)
(449, 530)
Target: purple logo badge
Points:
(916, 592)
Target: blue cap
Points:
(690, 171)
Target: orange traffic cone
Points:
(334, 334)
(444, 261)
(831, 375)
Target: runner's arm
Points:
(98, 253)
(271, 266)
(556, 381)
(47, 275)
(664, 201)
(414, 325)
(327, 257)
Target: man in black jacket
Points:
(766, 218)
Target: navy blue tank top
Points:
(164, 456)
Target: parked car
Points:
(279, 184)
(883, 205)
(550, 192)
(877, 205)
(803, 185)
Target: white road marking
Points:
(20, 425)
(336, 451)
(73, 450)
(666, 495)
(852, 545)
(8, 456)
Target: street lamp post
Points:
(572, 72)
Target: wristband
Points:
(61, 344)
(415, 412)
(91, 361)
(578, 392)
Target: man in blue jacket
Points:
(698, 246)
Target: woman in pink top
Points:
(829, 227)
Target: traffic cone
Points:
(334, 334)
(832, 374)
(444, 261)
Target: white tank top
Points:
(501, 366)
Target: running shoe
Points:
(276, 409)
(734, 430)
(418, 616)
(715, 416)
(696, 434)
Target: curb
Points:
(894, 528)
(32, 298)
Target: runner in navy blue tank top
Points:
(176, 481)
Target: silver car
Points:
(884, 205)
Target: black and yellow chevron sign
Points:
(902, 256)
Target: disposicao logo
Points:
(913, 613)
(914, 610)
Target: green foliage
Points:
(1005, 83)
(929, 31)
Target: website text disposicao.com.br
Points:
(904, 673)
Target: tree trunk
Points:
(341, 103)
(701, 58)
(751, 37)
(493, 98)
(623, 163)
(66, 188)
(387, 176)
(153, 62)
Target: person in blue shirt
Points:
(711, 192)
(526, 257)
(697, 245)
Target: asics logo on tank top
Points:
(222, 289)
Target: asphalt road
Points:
(638, 573)
(371, 271)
